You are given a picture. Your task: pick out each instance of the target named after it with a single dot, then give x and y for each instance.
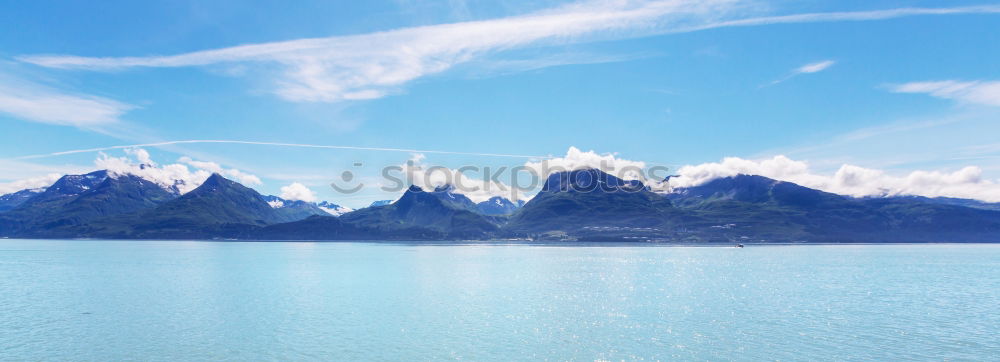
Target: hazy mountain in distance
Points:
(498, 205)
(15, 199)
(439, 210)
(380, 203)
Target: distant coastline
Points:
(743, 209)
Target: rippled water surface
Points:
(173, 300)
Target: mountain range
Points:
(582, 205)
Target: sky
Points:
(855, 97)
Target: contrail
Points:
(279, 144)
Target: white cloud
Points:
(805, 69)
(177, 175)
(373, 65)
(15, 170)
(167, 176)
(141, 155)
(576, 159)
(850, 16)
(974, 92)
(240, 176)
(849, 179)
(780, 167)
(297, 192)
(37, 103)
(29, 183)
(814, 67)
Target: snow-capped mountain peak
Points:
(333, 209)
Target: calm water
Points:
(112, 300)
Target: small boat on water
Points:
(739, 245)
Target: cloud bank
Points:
(972, 92)
(372, 65)
(575, 159)
(368, 66)
(849, 180)
(30, 183)
(176, 176)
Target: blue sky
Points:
(893, 86)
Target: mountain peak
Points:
(71, 185)
(743, 183)
(215, 182)
(423, 211)
(380, 203)
(752, 189)
(218, 201)
(499, 200)
(216, 179)
(445, 188)
(333, 209)
(497, 205)
(441, 195)
(575, 200)
(588, 180)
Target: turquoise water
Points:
(145, 300)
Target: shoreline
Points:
(508, 242)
